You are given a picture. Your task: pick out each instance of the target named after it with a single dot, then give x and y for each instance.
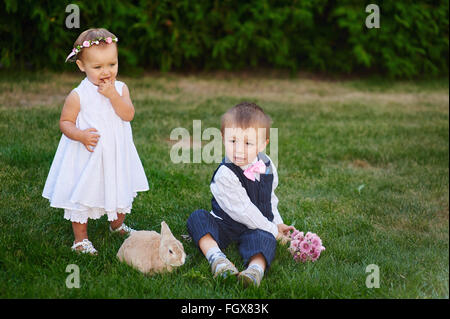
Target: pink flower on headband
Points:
(88, 43)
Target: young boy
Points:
(244, 205)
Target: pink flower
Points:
(299, 236)
(303, 257)
(297, 256)
(108, 40)
(294, 243)
(305, 246)
(316, 242)
(86, 44)
(315, 256)
(293, 247)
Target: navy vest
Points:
(259, 192)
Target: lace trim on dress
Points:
(92, 213)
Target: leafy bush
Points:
(312, 35)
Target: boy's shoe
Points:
(86, 247)
(250, 276)
(127, 230)
(224, 271)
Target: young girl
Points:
(96, 169)
(244, 205)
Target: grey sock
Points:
(214, 253)
(258, 267)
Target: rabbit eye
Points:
(170, 251)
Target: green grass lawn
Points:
(364, 164)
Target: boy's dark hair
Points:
(245, 115)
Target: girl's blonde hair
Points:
(91, 34)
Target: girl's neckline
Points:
(89, 82)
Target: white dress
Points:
(105, 181)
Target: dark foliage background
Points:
(311, 35)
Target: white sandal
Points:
(86, 245)
(122, 227)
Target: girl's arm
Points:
(122, 104)
(67, 123)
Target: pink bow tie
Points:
(258, 167)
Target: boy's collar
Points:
(227, 160)
(249, 164)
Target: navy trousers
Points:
(250, 241)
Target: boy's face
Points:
(242, 146)
(100, 63)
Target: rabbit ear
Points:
(165, 231)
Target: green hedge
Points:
(311, 35)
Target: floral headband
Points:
(86, 44)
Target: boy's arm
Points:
(233, 199)
(283, 230)
(274, 199)
(276, 214)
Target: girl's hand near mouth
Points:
(107, 88)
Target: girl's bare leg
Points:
(79, 231)
(118, 222)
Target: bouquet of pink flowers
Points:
(305, 247)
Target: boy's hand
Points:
(89, 139)
(283, 233)
(107, 88)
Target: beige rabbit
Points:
(150, 252)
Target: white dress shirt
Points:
(233, 199)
